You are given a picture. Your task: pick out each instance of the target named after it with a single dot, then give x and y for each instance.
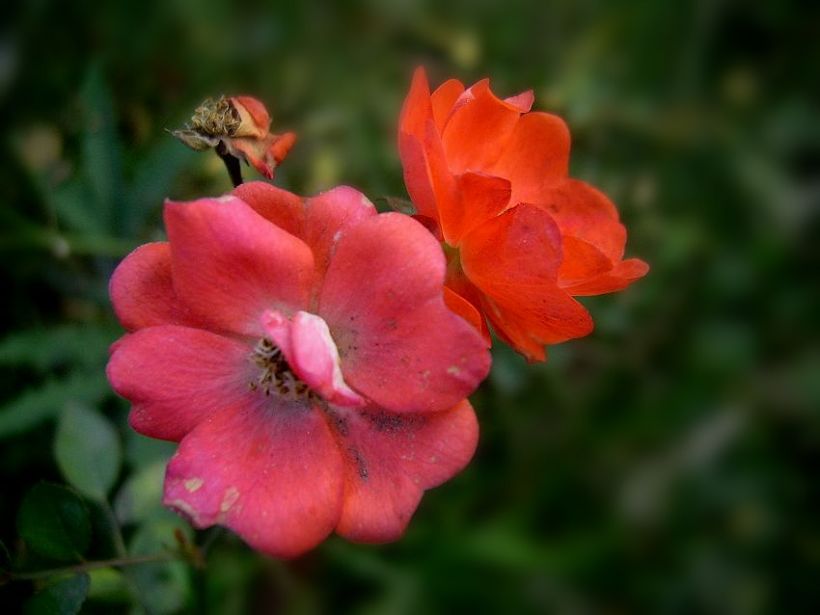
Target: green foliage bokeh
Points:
(664, 464)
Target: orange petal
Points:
(514, 260)
(478, 129)
(467, 311)
(522, 245)
(443, 100)
(481, 197)
(537, 153)
(417, 108)
(582, 211)
(582, 261)
(528, 317)
(281, 145)
(618, 278)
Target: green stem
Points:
(117, 562)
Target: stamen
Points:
(276, 377)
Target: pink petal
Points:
(271, 471)
(392, 459)
(141, 290)
(176, 377)
(312, 355)
(389, 323)
(285, 209)
(522, 102)
(230, 264)
(328, 215)
(537, 154)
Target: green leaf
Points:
(102, 159)
(108, 584)
(38, 404)
(141, 496)
(54, 522)
(44, 349)
(163, 587)
(88, 451)
(61, 598)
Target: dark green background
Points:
(664, 464)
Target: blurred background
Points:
(663, 464)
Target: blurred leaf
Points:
(142, 451)
(54, 522)
(70, 200)
(403, 206)
(84, 344)
(108, 584)
(88, 451)
(163, 587)
(61, 598)
(140, 498)
(36, 405)
(154, 178)
(101, 152)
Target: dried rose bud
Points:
(241, 125)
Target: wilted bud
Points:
(241, 124)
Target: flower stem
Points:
(231, 164)
(117, 562)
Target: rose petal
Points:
(467, 311)
(176, 377)
(528, 317)
(443, 100)
(522, 102)
(514, 260)
(271, 472)
(230, 264)
(618, 278)
(478, 130)
(327, 216)
(582, 261)
(285, 209)
(415, 129)
(141, 290)
(523, 244)
(389, 323)
(536, 154)
(312, 355)
(392, 459)
(586, 213)
(254, 117)
(481, 197)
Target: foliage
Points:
(664, 464)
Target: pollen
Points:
(276, 376)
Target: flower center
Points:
(276, 376)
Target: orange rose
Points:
(490, 179)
